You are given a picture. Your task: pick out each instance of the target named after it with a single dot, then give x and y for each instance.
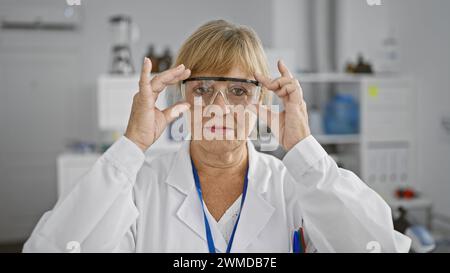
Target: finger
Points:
(186, 74)
(160, 81)
(285, 90)
(144, 80)
(290, 90)
(272, 84)
(265, 114)
(278, 83)
(284, 70)
(181, 77)
(264, 80)
(173, 112)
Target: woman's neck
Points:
(216, 165)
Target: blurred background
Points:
(375, 74)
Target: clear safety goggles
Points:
(233, 90)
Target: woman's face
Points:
(220, 123)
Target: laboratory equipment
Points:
(342, 115)
(124, 33)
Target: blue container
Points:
(342, 115)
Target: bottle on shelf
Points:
(151, 54)
(165, 61)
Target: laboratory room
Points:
(211, 126)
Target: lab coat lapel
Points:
(190, 211)
(256, 211)
(180, 177)
(254, 215)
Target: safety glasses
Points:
(234, 91)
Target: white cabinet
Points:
(383, 153)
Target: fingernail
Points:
(180, 66)
(145, 59)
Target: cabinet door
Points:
(389, 136)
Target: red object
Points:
(406, 193)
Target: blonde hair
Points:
(218, 46)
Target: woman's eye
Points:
(201, 90)
(237, 91)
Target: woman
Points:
(215, 194)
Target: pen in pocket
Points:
(298, 241)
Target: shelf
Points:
(417, 203)
(342, 77)
(338, 139)
(329, 78)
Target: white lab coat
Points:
(127, 204)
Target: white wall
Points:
(360, 30)
(422, 28)
(47, 88)
(290, 30)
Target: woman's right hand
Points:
(147, 122)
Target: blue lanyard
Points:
(209, 237)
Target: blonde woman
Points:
(218, 194)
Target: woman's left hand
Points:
(293, 121)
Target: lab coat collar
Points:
(255, 213)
